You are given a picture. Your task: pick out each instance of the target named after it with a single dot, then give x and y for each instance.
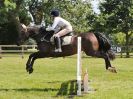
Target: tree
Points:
(75, 11)
(8, 33)
(117, 17)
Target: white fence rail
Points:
(12, 49)
(21, 50)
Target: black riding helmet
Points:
(55, 13)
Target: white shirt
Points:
(59, 23)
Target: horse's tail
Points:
(104, 45)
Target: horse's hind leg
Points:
(105, 57)
(107, 62)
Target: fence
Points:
(121, 51)
(5, 50)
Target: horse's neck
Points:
(32, 31)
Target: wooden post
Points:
(22, 52)
(0, 52)
(85, 82)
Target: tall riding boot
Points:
(58, 44)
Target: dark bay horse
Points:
(93, 44)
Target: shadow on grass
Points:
(31, 89)
(67, 88)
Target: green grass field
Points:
(53, 79)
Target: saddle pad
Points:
(65, 40)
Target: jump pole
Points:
(85, 84)
(79, 72)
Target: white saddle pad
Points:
(65, 40)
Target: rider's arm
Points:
(55, 23)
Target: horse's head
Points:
(35, 32)
(23, 34)
(30, 31)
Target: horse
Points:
(93, 44)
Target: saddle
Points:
(65, 40)
(47, 36)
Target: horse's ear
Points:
(24, 27)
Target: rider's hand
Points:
(49, 28)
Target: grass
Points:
(54, 79)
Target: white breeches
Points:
(63, 31)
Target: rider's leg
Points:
(57, 44)
(57, 38)
(64, 31)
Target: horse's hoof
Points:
(112, 69)
(27, 69)
(30, 70)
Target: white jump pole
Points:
(79, 66)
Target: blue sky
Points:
(95, 6)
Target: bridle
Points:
(28, 33)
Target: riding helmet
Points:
(55, 13)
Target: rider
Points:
(61, 27)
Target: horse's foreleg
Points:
(28, 64)
(32, 58)
(30, 68)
